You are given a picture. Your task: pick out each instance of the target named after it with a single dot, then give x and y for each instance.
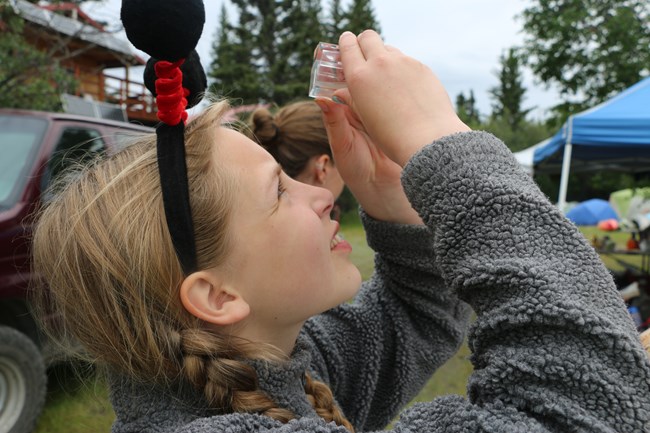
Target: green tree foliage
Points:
(508, 95)
(271, 47)
(232, 70)
(527, 133)
(29, 78)
(301, 30)
(467, 110)
(360, 16)
(507, 120)
(589, 49)
(267, 55)
(336, 24)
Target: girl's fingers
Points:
(342, 96)
(351, 54)
(371, 44)
(336, 124)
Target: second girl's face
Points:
(284, 259)
(334, 182)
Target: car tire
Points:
(23, 382)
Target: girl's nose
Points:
(321, 199)
(325, 202)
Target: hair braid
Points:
(228, 384)
(321, 398)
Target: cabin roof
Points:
(76, 29)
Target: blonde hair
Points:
(293, 134)
(103, 249)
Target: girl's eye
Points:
(281, 188)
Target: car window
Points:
(75, 147)
(20, 138)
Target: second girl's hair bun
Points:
(264, 127)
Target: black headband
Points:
(168, 30)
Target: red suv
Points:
(35, 147)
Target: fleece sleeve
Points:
(377, 352)
(553, 347)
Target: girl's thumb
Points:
(336, 123)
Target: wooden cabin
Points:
(101, 61)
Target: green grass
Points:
(614, 262)
(81, 404)
(362, 256)
(77, 402)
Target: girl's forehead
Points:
(234, 145)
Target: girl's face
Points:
(285, 260)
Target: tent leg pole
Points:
(564, 179)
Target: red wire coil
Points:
(171, 96)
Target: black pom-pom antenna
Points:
(164, 29)
(168, 30)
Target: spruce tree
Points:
(300, 31)
(274, 42)
(508, 95)
(336, 22)
(466, 109)
(232, 69)
(360, 16)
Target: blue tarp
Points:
(591, 212)
(614, 135)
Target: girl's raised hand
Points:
(373, 178)
(401, 103)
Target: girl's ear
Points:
(322, 168)
(206, 297)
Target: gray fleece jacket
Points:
(553, 347)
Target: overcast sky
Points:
(461, 40)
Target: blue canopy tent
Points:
(614, 135)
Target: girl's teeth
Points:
(335, 240)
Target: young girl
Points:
(259, 339)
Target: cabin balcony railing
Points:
(132, 96)
(129, 95)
